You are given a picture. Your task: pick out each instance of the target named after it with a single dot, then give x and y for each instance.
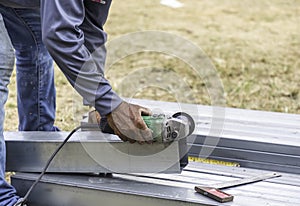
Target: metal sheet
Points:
(251, 155)
(243, 116)
(158, 189)
(280, 149)
(194, 171)
(65, 190)
(90, 152)
(259, 126)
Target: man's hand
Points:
(127, 122)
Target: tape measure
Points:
(213, 161)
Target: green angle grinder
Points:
(167, 129)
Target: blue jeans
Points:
(35, 72)
(7, 193)
(35, 81)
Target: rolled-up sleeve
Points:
(63, 27)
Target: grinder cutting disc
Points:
(187, 119)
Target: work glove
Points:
(126, 121)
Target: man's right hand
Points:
(127, 122)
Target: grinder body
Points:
(166, 129)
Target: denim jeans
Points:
(35, 73)
(7, 193)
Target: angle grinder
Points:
(166, 129)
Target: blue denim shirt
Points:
(73, 34)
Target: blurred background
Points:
(254, 46)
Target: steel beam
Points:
(250, 154)
(91, 152)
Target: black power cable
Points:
(23, 200)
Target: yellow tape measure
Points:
(213, 161)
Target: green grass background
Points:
(254, 45)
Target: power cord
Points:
(23, 200)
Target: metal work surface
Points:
(90, 152)
(254, 139)
(159, 189)
(264, 140)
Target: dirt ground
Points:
(254, 46)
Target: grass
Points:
(254, 45)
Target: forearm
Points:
(65, 39)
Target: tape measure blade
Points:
(245, 181)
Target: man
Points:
(73, 34)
